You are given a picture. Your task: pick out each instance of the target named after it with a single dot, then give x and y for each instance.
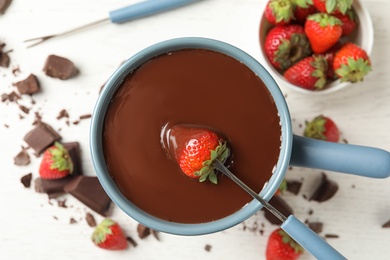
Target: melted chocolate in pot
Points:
(198, 87)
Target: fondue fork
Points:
(121, 15)
(301, 233)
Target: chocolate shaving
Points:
(30, 85)
(131, 241)
(90, 219)
(26, 180)
(85, 116)
(59, 67)
(22, 158)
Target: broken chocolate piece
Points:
(41, 137)
(30, 85)
(22, 158)
(59, 67)
(89, 191)
(90, 219)
(11, 97)
(4, 59)
(325, 190)
(282, 206)
(26, 180)
(143, 231)
(316, 226)
(387, 224)
(294, 186)
(4, 5)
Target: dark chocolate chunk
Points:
(90, 219)
(4, 5)
(282, 206)
(41, 137)
(316, 226)
(294, 186)
(387, 224)
(325, 190)
(89, 191)
(22, 158)
(59, 67)
(143, 231)
(26, 180)
(30, 85)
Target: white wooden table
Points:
(31, 228)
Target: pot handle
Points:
(345, 158)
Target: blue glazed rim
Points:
(96, 133)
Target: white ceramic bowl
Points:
(362, 36)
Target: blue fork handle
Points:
(145, 8)
(309, 240)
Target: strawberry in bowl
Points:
(327, 31)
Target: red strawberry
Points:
(323, 31)
(196, 149)
(281, 246)
(109, 235)
(351, 63)
(309, 73)
(322, 128)
(285, 45)
(56, 162)
(348, 21)
(333, 6)
(279, 12)
(302, 9)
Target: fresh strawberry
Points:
(109, 235)
(56, 162)
(323, 31)
(285, 45)
(351, 63)
(333, 6)
(279, 12)
(196, 149)
(302, 9)
(281, 246)
(322, 128)
(309, 73)
(348, 20)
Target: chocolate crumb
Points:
(131, 241)
(12, 97)
(316, 226)
(310, 212)
(331, 236)
(55, 217)
(26, 180)
(345, 141)
(143, 231)
(59, 67)
(22, 158)
(16, 71)
(387, 224)
(90, 219)
(6, 126)
(72, 221)
(63, 113)
(30, 85)
(207, 248)
(76, 122)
